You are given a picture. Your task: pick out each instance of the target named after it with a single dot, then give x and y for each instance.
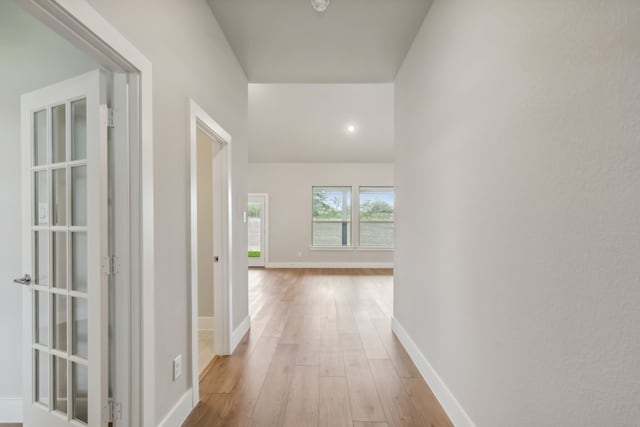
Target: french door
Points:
(257, 219)
(66, 253)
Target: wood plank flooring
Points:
(320, 353)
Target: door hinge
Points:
(111, 118)
(110, 265)
(114, 411)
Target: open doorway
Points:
(206, 151)
(210, 244)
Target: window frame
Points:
(361, 221)
(350, 221)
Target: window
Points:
(331, 216)
(376, 217)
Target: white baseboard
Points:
(206, 323)
(329, 265)
(179, 412)
(239, 333)
(10, 409)
(450, 404)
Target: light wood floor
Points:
(320, 353)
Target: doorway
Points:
(88, 246)
(206, 151)
(257, 218)
(210, 243)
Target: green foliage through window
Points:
(331, 216)
(377, 217)
(331, 203)
(253, 210)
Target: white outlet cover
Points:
(177, 367)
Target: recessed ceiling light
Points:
(351, 128)
(320, 5)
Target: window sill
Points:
(350, 248)
(374, 249)
(331, 248)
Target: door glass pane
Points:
(79, 261)
(80, 392)
(60, 384)
(41, 313)
(79, 195)
(41, 370)
(41, 198)
(254, 214)
(59, 197)
(60, 322)
(79, 129)
(59, 259)
(40, 138)
(41, 258)
(79, 328)
(58, 133)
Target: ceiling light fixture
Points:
(351, 128)
(320, 5)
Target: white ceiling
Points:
(308, 123)
(287, 41)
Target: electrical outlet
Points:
(177, 367)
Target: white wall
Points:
(27, 49)
(191, 58)
(518, 208)
(289, 188)
(205, 146)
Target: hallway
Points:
(320, 353)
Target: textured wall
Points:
(518, 193)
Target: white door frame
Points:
(222, 293)
(82, 25)
(265, 227)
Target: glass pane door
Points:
(67, 207)
(256, 230)
(60, 334)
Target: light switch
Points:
(177, 367)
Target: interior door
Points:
(65, 252)
(257, 214)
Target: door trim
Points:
(265, 249)
(83, 26)
(222, 291)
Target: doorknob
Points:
(216, 259)
(25, 280)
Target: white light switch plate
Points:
(177, 367)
